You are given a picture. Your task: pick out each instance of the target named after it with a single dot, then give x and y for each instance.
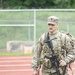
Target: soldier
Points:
(63, 47)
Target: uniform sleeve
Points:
(70, 47)
(36, 57)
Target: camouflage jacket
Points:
(62, 46)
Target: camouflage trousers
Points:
(48, 73)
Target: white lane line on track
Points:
(30, 57)
(25, 70)
(15, 61)
(15, 65)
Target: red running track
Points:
(15, 65)
(19, 65)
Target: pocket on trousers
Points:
(47, 63)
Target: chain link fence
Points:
(15, 24)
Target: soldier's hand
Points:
(36, 73)
(62, 63)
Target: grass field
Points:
(15, 54)
(10, 33)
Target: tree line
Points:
(30, 4)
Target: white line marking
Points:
(15, 65)
(25, 57)
(25, 70)
(16, 61)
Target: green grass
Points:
(14, 33)
(15, 54)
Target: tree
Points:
(1, 3)
(37, 3)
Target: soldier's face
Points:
(52, 27)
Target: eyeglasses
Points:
(51, 24)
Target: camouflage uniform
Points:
(62, 46)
